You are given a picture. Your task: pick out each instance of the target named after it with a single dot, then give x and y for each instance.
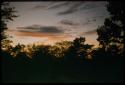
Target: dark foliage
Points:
(7, 14)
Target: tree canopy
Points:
(112, 32)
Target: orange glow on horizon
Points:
(43, 38)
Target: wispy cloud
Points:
(89, 32)
(71, 9)
(58, 5)
(68, 7)
(71, 6)
(78, 6)
(41, 29)
(89, 5)
(51, 5)
(38, 7)
(86, 23)
(51, 29)
(68, 22)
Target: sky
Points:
(55, 21)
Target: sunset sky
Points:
(52, 21)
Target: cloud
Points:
(51, 29)
(68, 22)
(69, 6)
(41, 29)
(81, 6)
(52, 5)
(50, 36)
(58, 5)
(68, 11)
(89, 32)
(92, 5)
(86, 23)
(88, 6)
(98, 17)
(73, 8)
(39, 7)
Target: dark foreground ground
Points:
(62, 73)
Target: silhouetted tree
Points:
(20, 54)
(41, 55)
(112, 32)
(6, 45)
(58, 51)
(111, 40)
(78, 51)
(7, 14)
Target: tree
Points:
(6, 45)
(7, 14)
(112, 32)
(41, 55)
(78, 51)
